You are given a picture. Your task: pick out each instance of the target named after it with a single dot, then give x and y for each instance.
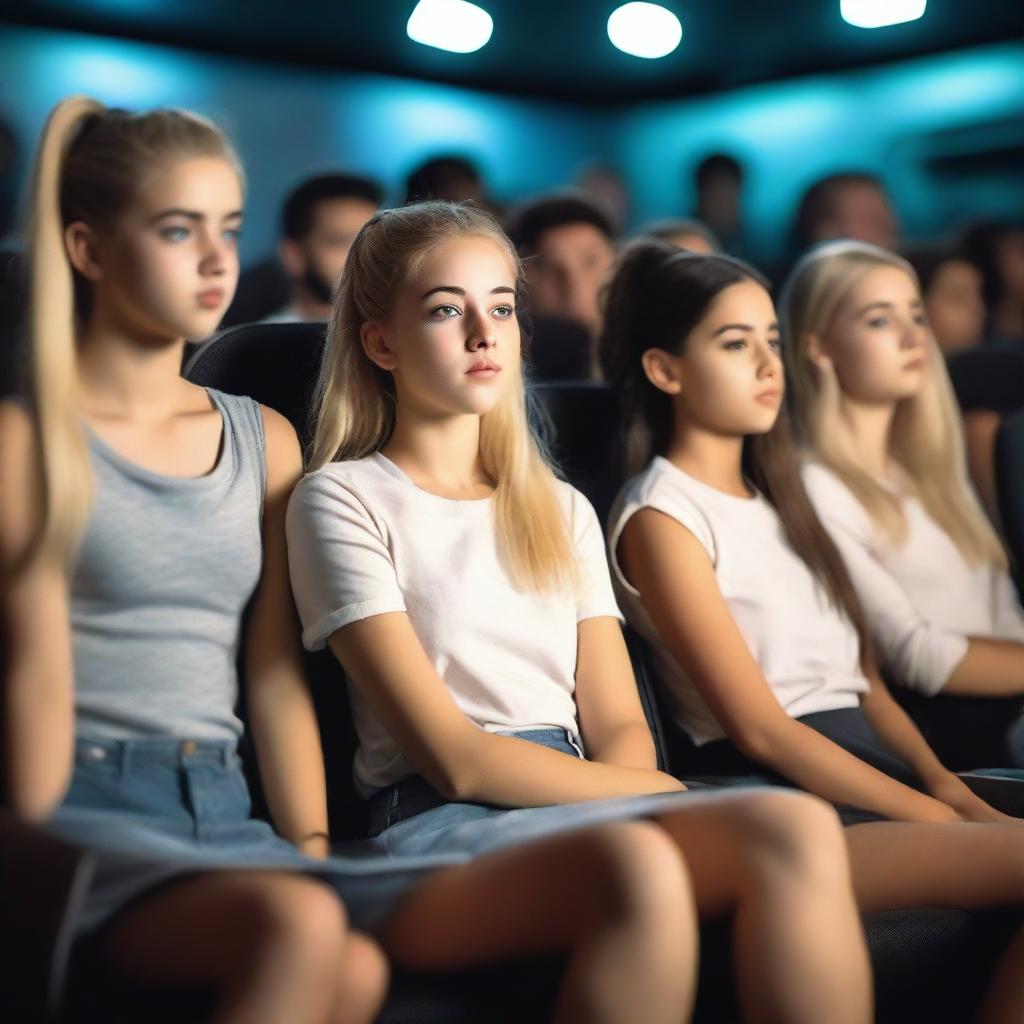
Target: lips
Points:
(768, 397)
(211, 298)
(914, 364)
(483, 368)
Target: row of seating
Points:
(276, 364)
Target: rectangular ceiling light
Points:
(880, 13)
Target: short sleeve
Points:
(595, 597)
(338, 558)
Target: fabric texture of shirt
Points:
(364, 540)
(160, 583)
(807, 650)
(922, 599)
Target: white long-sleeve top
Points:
(922, 599)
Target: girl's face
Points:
(729, 378)
(452, 341)
(878, 339)
(169, 266)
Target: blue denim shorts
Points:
(412, 819)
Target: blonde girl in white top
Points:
(736, 596)
(886, 470)
(463, 589)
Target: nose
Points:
(213, 256)
(478, 340)
(769, 363)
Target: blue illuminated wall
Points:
(289, 121)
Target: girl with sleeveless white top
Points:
(719, 561)
(465, 592)
(887, 474)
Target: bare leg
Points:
(897, 864)
(617, 898)
(272, 944)
(900, 864)
(775, 861)
(362, 981)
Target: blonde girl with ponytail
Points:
(119, 484)
(464, 589)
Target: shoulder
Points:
(21, 491)
(17, 432)
(831, 497)
(336, 485)
(281, 445)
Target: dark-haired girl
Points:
(721, 564)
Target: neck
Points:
(122, 374)
(441, 451)
(713, 459)
(869, 427)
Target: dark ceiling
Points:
(553, 48)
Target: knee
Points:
(798, 833)
(303, 918)
(363, 981)
(643, 872)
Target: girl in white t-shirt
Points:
(721, 564)
(465, 592)
(887, 475)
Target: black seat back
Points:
(988, 378)
(579, 421)
(1010, 487)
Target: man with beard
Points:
(321, 219)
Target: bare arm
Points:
(990, 668)
(899, 733)
(612, 720)
(384, 659)
(281, 712)
(674, 575)
(38, 695)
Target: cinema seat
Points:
(1010, 486)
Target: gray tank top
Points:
(164, 573)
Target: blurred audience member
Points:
(606, 186)
(853, 205)
(998, 250)
(446, 177)
(321, 220)
(688, 234)
(567, 244)
(719, 181)
(951, 288)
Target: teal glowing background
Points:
(288, 122)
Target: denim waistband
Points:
(154, 753)
(414, 794)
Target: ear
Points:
(375, 346)
(83, 252)
(815, 352)
(292, 258)
(662, 370)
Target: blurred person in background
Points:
(320, 221)
(447, 176)
(686, 233)
(719, 181)
(951, 289)
(851, 204)
(567, 243)
(605, 185)
(998, 250)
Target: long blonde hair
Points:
(926, 436)
(91, 163)
(354, 404)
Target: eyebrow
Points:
(916, 304)
(502, 289)
(178, 211)
(741, 327)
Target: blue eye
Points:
(175, 234)
(503, 312)
(736, 345)
(878, 322)
(232, 234)
(445, 312)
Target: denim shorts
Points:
(412, 819)
(149, 812)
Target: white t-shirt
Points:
(922, 599)
(363, 539)
(808, 651)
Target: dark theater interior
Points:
(512, 512)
